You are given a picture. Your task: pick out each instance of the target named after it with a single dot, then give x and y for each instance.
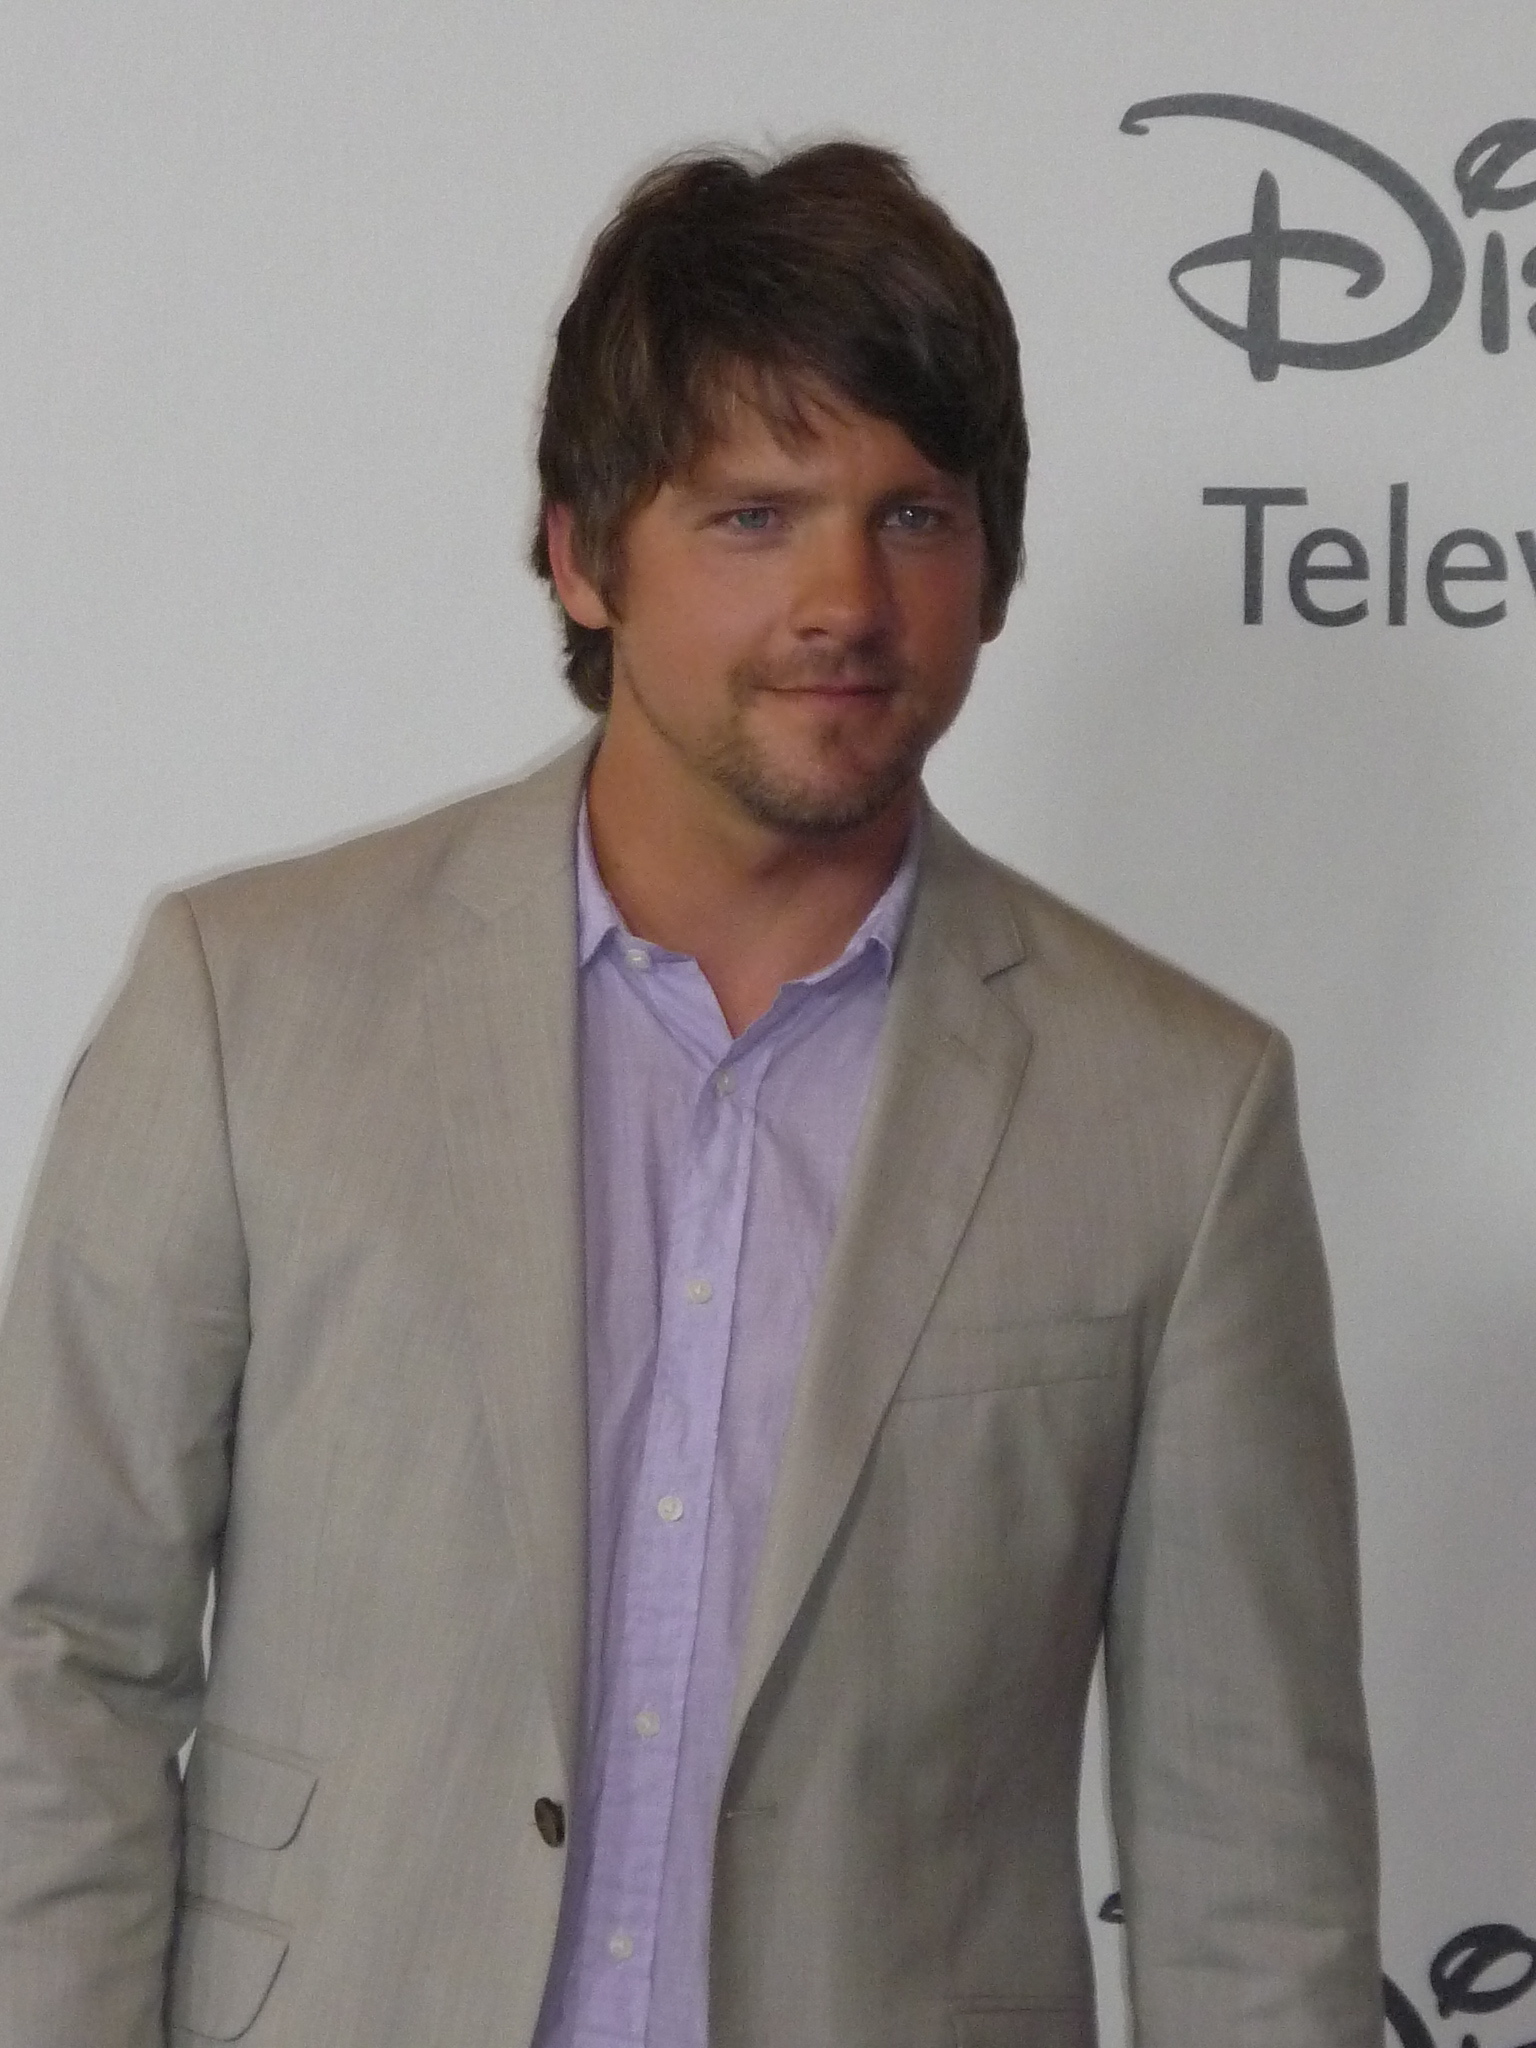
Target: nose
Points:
(844, 592)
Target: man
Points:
(678, 1301)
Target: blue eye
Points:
(916, 518)
(750, 518)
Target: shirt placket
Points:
(666, 1536)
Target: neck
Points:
(755, 906)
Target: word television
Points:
(1325, 558)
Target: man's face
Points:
(797, 621)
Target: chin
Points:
(821, 808)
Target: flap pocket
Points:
(955, 1358)
(224, 1967)
(252, 1795)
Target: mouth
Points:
(835, 686)
(832, 684)
(837, 690)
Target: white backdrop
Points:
(276, 283)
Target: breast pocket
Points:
(984, 1358)
(245, 1806)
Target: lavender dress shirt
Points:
(713, 1169)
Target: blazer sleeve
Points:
(120, 1357)
(1240, 1776)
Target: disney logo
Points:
(1482, 178)
(1481, 1970)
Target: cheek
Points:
(946, 629)
(706, 628)
(941, 600)
(678, 650)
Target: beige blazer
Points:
(301, 1302)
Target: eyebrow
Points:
(748, 487)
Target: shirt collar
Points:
(597, 915)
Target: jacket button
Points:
(549, 1819)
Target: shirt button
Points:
(725, 1084)
(670, 1508)
(638, 958)
(621, 1947)
(699, 1290)
(648, 1722)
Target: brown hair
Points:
(831, 267)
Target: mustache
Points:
(850, 668)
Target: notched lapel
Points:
(502, 1006)
(951, 1061)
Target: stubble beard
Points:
(738, 763)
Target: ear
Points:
(994, 616)
(576, 590)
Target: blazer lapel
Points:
(502, 1006)
(503, 1017)
(951, 1059)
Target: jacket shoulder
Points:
(421, 882)
(1067, 967)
